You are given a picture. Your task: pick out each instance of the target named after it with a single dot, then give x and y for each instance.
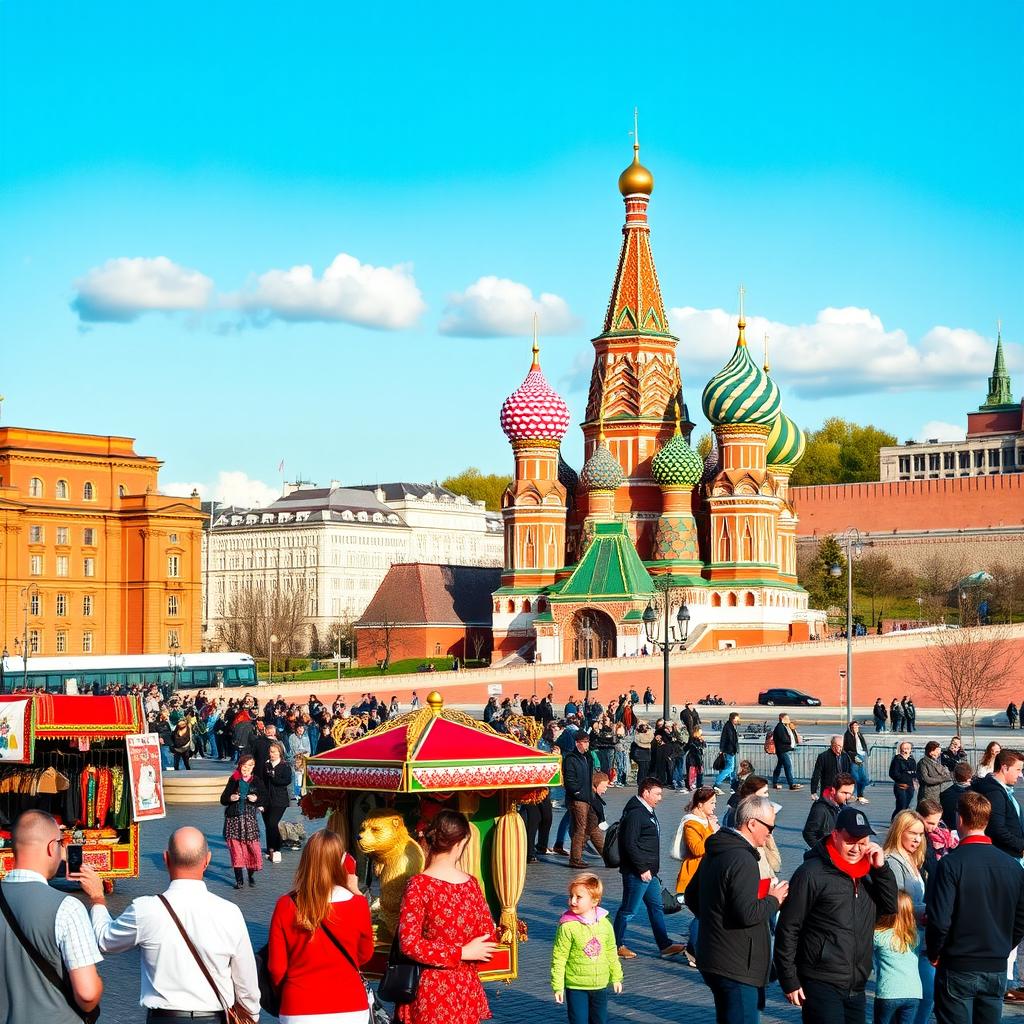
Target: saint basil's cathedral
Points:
(647, 519)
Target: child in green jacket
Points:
(584, 959)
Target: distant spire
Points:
(678, 402)
(636, 129)
(742, 339)
(536, 346)
(1000, 389)
(767, 365)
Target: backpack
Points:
(769, 743)
(610, 851)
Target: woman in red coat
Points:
(446, 925)
(316, 980)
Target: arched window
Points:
(62, 489)
(35, 488)
(88, 491)
(527, 606)
(716, 600)
(542, 604)
(121, 490)
(437, 650)
(511, 607)
(748, 599)
(732, 600)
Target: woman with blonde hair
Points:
(896, 953)
(905, 848)
(320, 935)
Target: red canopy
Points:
(94, 718)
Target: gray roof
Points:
(398, 490)
(317, 505)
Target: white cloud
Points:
(846, 351)
(938, 431)
(495, 307)
(357, 293)
(233, 487)
(126, 287)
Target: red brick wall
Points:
(961, 503)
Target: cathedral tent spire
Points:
(1000, 389)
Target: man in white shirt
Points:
(172, 981)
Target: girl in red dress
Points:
(446, 925)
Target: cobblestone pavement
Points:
(654, 990)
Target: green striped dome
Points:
(677, 464)
(601, 472)
(786, 442)
(741, 392)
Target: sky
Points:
(317, 233)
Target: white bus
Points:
(97, 674)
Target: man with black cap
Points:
(824, 938)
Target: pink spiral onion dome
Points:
(534, 411)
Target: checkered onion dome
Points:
(601, 472)
(534, 411)
(677, 464)
(786, 443)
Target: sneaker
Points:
(674, 950)
(168, 769)
(863, 800)
(776, 786)
(625, 953)
(796, 787)
(560, 850)
(275, 857)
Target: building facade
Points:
(646, 522)
(994, 444)
(95, 560)
(334, 545)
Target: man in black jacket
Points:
(690, 717)
(734, 951)
(729, 745)
(578, 775)
(950, 798)
(828, 764)
(639, 863)
(1004, 827)
(975, 918)
(821, 819)
(825, 935)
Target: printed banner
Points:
(147, 784)
(16, 731)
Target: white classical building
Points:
(337, 543)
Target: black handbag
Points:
(670, 902)
(401, 977)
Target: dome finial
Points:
(636, 179)
(742, 339)
(767, 365)
(536, 346)
(678, 401)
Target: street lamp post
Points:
(854, 546)
(270, 666)
(3, 670)
(586, 634)
(27, 594)
(666, 643)
(174, 653)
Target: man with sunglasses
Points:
(54, 929)
(825, 935)
(734, 908)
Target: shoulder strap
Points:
(344, 952)
(192, 949)
(46, 969)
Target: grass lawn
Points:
(408, 665)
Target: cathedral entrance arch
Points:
(593, 635)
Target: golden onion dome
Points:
(636, 178)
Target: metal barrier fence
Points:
(802, 758)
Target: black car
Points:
(788, 698)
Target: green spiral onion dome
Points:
(677, 464)
(786, 442)
(741, 392)
(601, 472)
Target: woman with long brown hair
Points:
(242, 797)
(446, 925)
(319, 937)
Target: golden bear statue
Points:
(396, 857)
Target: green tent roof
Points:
(610, 568)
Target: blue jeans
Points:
(969, 997)
(861, 776)
(563, 830)
(782, 765)
(728, 770)
(735, 1003)
(679, 773)
(621, 768)
(692, 936)
(927, 972)
(165, 757)
(894, 1011)
(879, 727)
(903, 798)
(587, 1005)
(634, 892)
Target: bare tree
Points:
(966, 670)
(1005, 591)
(255, 614)
(875, 576)
(478, 640)
(379, 637)
(937, 577)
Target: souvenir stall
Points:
(68, 756)
(381, 791)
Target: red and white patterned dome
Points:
(534, 411)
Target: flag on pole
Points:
(280, 466)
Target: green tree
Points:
(485, 487)
(826, 590)
(875, 577)
(841, 452)
(704, 445)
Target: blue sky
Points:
(163, 169)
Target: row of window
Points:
(37, 566)
(62, 641)
(62, 490)
(60, 604)
(37, 535)
(961, 460)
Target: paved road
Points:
(655, 991)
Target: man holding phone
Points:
(45, 935)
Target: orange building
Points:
(94, 560)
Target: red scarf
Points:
(854, 871)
